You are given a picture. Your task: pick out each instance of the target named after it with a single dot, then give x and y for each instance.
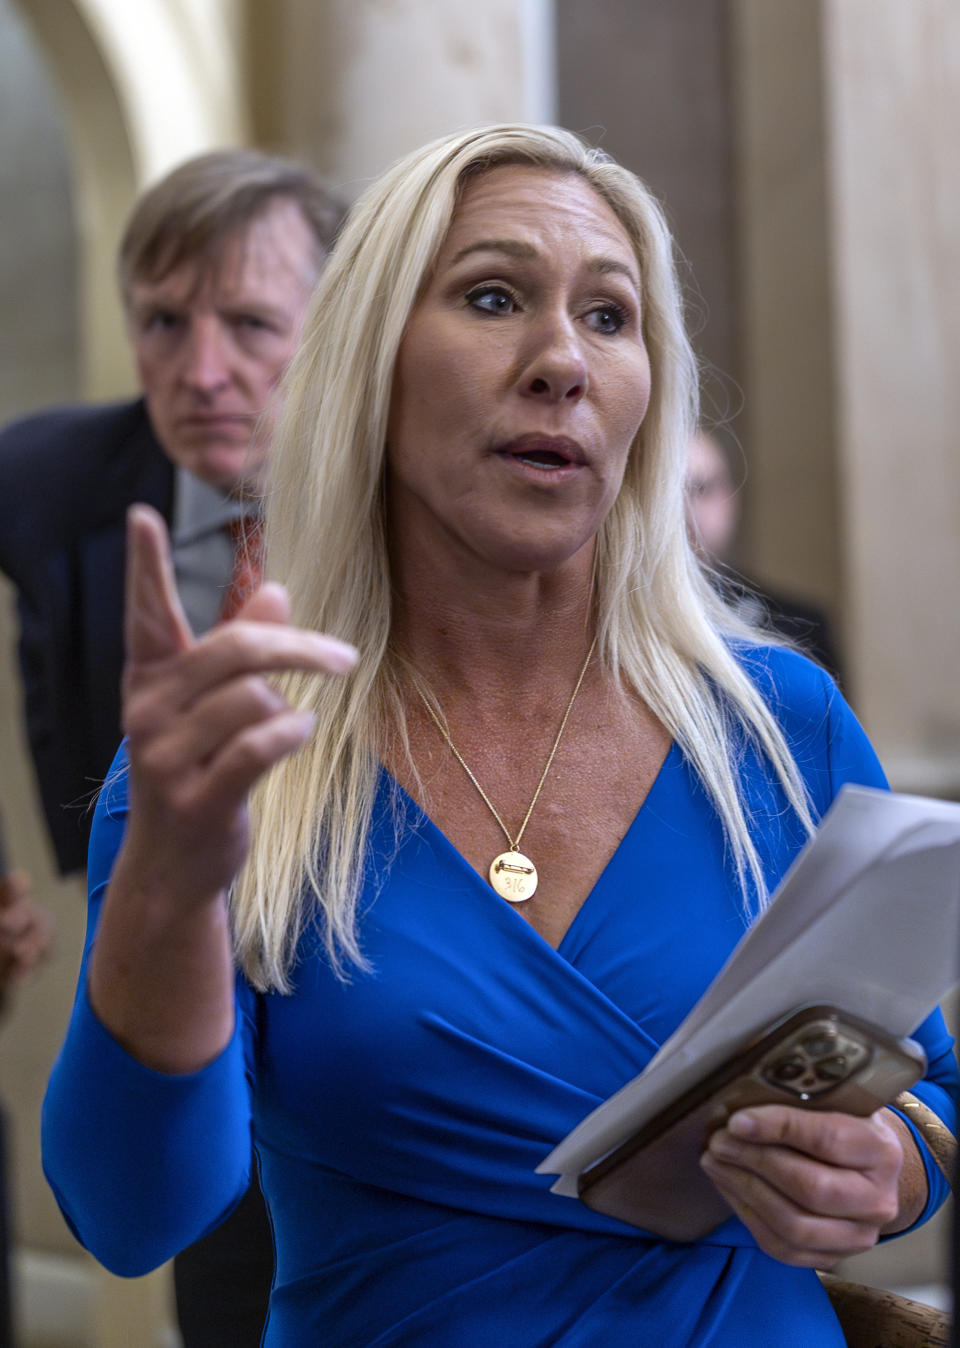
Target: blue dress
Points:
(399, 1117)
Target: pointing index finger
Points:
(155, 624)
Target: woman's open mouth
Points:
(544, 451)
(543, 458)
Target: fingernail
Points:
(343, 657)
(308, 723)
(719, 1145)
(742, 1124)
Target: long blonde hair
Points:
(661, 628)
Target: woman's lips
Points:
(544, 451)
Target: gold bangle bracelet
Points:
(940, 1142)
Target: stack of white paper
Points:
(867, 918)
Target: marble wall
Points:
(650, 83)
(850, 198)
(893, 78)
(351, 86)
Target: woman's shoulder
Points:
(823, 733)
(790, 682)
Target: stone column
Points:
(352, 85)
(791, 523)
(850, 206)
(891, 70)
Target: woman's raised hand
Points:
(813, 1187)
(202, 721)
(202, 724)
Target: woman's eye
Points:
(492, 300)
(607, 318)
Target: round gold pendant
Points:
(513, 876)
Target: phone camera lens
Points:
(787, 1069)
(833, 1069)
(819, 1045)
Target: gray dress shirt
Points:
(202, 546)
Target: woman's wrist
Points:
(913, 1188)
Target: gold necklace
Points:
(513, 875)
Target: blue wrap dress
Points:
(399, 1117)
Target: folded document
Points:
(867, 918)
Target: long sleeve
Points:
(150, 1162)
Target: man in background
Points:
(216, 268)
(713, 518)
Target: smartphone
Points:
(817, 1057)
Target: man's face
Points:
(212, 339)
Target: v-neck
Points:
(442, 844)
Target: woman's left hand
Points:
(814, 1188)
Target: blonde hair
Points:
(661, 628)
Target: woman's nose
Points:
(558, 368)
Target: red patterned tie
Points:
(247, 535)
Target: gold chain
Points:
(513, 842)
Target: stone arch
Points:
(143, 86)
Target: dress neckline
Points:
(439, 839)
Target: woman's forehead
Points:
(519, 202)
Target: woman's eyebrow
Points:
(604, 266)
(512, 247)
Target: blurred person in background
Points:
(713, 521)
(216, 265)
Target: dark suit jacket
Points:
(67, 477)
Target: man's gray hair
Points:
(191, 212)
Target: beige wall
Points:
(792, 517)
(850, 199)
(142, 86)
(893, 75)
(353, 84)
(650, 83)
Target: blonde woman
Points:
(497, 845)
